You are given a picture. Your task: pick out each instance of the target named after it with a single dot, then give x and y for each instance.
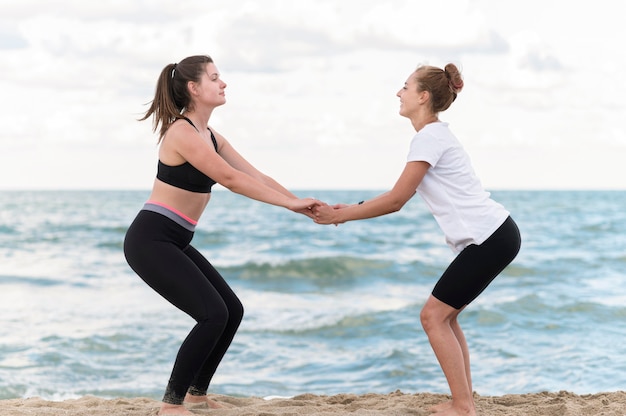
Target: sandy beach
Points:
(397, 403)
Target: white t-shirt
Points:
(463, 209)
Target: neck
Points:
(419, 122)
(199, 119)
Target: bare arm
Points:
(386, 203)
(238, 177)
(237, 161)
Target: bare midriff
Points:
(189, 204)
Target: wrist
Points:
(340, 216)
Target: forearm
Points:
(272, 183)
(381, 205)
(243, 184)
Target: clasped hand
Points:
(327, 214)
(319, 211)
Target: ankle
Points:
(190, 398)
(464, 408)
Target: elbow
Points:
(230, 182)
(397, 200)
(395, 206)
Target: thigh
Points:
(178, 279)
(155, 249)
(216, 280)
(477, 265)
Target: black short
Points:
(477, 265)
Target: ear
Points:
(423, 97)
(192, 87)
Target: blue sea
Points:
(328, 309)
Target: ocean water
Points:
(328, 309)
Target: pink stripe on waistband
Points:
(174, 210)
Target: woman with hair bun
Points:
(479, 230)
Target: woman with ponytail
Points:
(192, 158)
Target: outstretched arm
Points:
(231, 170)
(237, 161)
(386, 203)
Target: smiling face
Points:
(411, 99)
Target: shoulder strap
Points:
(190, 122)
(213, 139)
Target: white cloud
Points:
(312, 87)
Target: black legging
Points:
(157, 249)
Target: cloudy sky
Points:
(311, 88)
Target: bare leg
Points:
(454, 323)
(463, 343)
(450, 347)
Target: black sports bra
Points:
(186, 176)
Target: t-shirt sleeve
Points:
(425, 148)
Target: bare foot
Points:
(173, 409)
(202, 401)
(440, 407)
(457, 411)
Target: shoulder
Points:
(438, 133)
(181, 138)
(437, 129)
(428, 137)
(180, 129)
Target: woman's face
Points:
(410, 97)
(210, 90)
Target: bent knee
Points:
(435, 313)
(214, 312)
(223, 314)
(427, 318)
(217, 317)
(236, 311)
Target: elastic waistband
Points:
(171, 213)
